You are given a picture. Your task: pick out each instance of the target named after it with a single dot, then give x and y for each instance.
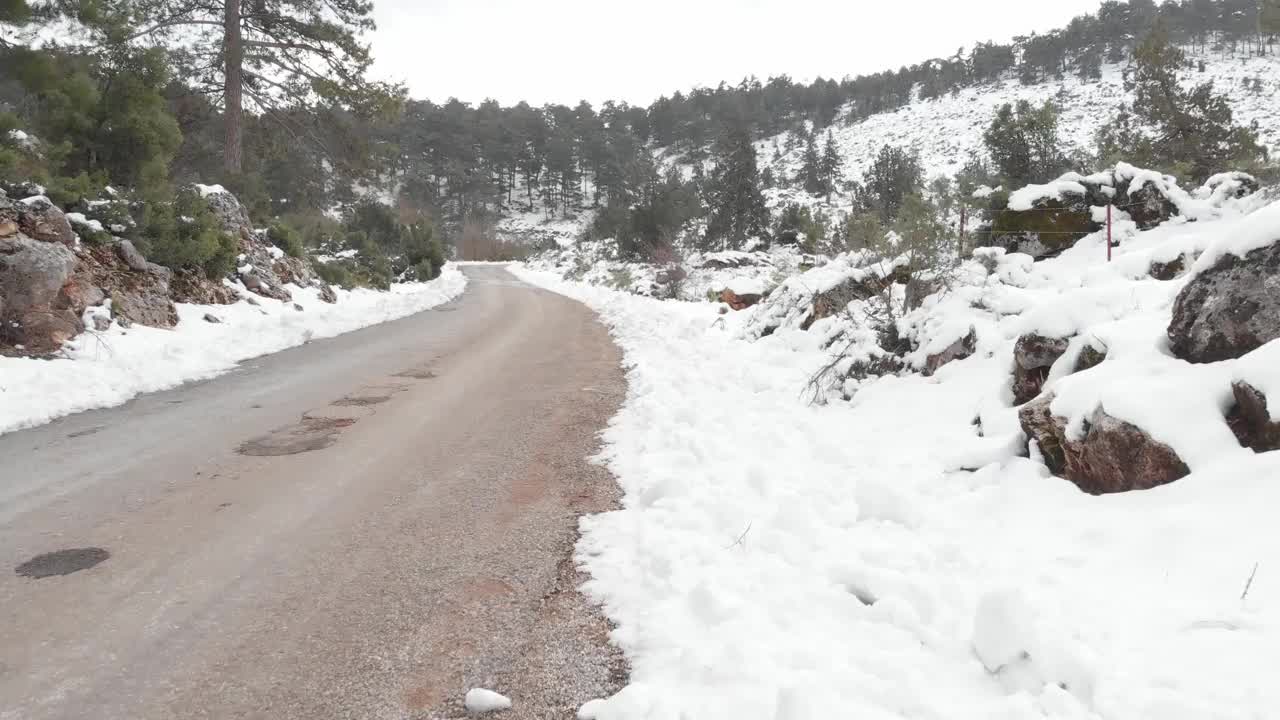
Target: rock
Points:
(1250, 419)
(326, 293)
(728, 259)
(41, 220)
(232, 216)
(79, 293)
(254, 281)
(297, 307)
(918, 289)
(739, 302)
(144, 298)
(1033, 356)
(1149, 207)
(958, 350)
(211, 318)
(131, 257)
(1230, 309)
(8, 228)
(1113, 456)
(1090, 357)
(835, 300)
(1169, 270)
(1051, 226)
(191, 286)
(251, 301)
(32, 275)
(101, 323)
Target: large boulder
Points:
(130, 256)
(1112, 456)
(1033, 356)
(232, 216)
(1250, 419)
(41, 220)
(32, 274)
(1048, 224)
(1230, 309)
(1149, 205)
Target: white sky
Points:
(568, 50)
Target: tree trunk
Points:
(233, 91)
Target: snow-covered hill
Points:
(946, 131)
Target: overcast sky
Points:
(568, 50)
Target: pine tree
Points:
(1193, 132)
(811, 169)
(893, 176)
(270, 53)
(832, 175)
(1024, 144)
(738, 211)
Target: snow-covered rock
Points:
(481, 701)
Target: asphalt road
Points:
(362, 527)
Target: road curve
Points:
(362, 527)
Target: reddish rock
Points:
(739, 302)
(1113, 456)
(1033, 356)
(1250, 419)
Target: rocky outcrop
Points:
(1050, 226)
(39, 219)
(1230, 309)
(143, 298)
(1112, 456)
(263, 268)
(1251, 421)
(32, 275)
(190, 286)
(958, 350)
(1033, 356)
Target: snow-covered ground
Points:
(102, 369)
(781, 560)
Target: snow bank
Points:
(110, 368)
(774, 559)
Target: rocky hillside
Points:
(64, 273)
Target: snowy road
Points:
(365, 527)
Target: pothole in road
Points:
(313, 433)
(360, 400)
(417, 374)
(62, 562)
(87, 432)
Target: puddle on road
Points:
(62, 562)
(360, 400)
(87, 432)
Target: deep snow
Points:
(102, 369)
(882, 558)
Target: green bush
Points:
(185, 234)
(286, 238)
(338, 272)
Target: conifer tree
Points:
(832, 175)
(738, 210)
